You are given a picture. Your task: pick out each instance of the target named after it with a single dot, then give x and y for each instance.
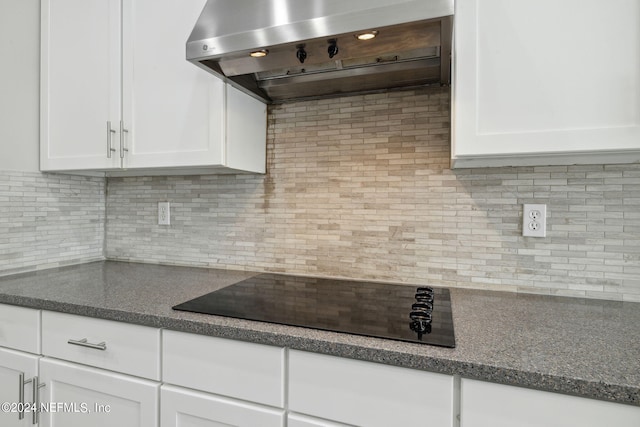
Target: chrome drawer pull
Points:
(83, 343)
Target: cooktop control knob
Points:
(421, 311)
(425, 294)
(422, 306)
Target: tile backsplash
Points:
(49, 220)
(360, 187)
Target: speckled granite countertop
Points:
(588, 348)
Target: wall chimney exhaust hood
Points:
(283, 50)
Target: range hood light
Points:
(259, 53)
(367, 36)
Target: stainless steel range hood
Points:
(412, 46)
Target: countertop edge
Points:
(617, 393)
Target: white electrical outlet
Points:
(534, 220)
(164, 215)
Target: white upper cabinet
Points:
(173, 109)
(79, 84)
(546, 82)
(121, 63)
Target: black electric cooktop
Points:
(417, 314)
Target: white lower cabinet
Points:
(235, 369)
(17, 370)
(296, 420)
(368, 394)
(231, 383)
(101, 373)
(20, 328)
(486, 404)
(19, 355)
(187, 408)
(98, 372)
(83, 396)
(117, 346)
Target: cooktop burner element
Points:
(399, 312)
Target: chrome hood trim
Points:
(412, 48)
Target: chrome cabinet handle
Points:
(110, 131)
(36, 399)
(84, 343)
(21, 384)
(122, 137)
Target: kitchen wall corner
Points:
(49, 220)
(360, 187)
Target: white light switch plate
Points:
(164, 215)
(534, 220)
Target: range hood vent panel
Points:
(412, 47)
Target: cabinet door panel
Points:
(522, 92)
(12, 364)
(95, 397)
(80, 83)
(486, 404)
(173, 110)
(186, 408)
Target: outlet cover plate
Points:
(534, 220)
(164, 215)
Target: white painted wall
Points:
(19, 84)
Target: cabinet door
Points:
(12, 365)
(80, 84)
(95, 397)
(173, 110)
(485, 404)
(186, 408)
(530, 80)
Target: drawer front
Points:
(231, 368)
(368, 394)
(130, 349)
(487, 404)
(20, 328)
